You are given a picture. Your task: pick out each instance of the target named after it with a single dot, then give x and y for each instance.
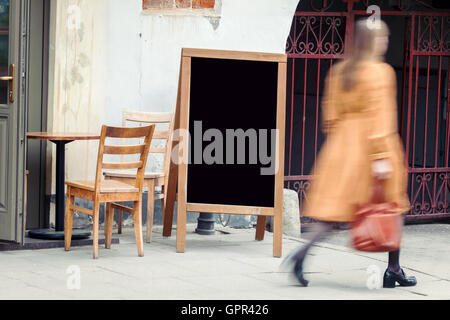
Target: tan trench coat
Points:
(361, 126)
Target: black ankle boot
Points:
(298, 272)
(391, 277)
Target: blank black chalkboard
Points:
(220, 92)
(231, 94)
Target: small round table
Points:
(60, 139)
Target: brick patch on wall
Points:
(174, 4)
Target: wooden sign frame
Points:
(178, 173)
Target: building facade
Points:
(84, 61)
(110, 55)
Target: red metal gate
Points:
(318, 39)
(426, 115)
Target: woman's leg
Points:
(320, 230)
(394, 261)
(395, 274)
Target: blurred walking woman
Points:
(360, 122)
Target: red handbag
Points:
(377, 226)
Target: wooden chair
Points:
(151, 179)
(110, 191)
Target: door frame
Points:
(36, 118)
(20, 48)
(15, 167)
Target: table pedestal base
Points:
(51, 234)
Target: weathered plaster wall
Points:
(111, 55)
(144, 48)
(123, 57)
(78, 79)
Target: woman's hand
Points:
(381, 169)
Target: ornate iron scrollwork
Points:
(317, 36)
(434, 34)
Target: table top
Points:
(63, 136)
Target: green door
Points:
(11, 121)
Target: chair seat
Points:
(132, 174)
(106, 186)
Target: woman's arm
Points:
(381, 108)
(330, 115)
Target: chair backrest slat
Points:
(131, 149)
(157, 150)
(145, 132)
(154, 118)
(161, 134)
(149, 117)
(131, 132)
(122, 165)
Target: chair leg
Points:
(109, 220)
(150, 208)
(162, 208)
(68, 221)
(137, 215)
(162, 203)
(119, 231)
(105, 222)
(95, 227)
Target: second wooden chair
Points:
(151, 179)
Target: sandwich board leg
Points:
(277, 234)
(260, 228)
(170, 200)
(181, 227)
(173, 170)
(183, 152)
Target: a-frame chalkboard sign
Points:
(232, 106)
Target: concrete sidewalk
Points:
(228, 265)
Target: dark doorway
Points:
(36, 116)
